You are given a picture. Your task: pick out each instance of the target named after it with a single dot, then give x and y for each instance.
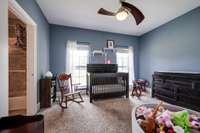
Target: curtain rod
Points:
(83, 42)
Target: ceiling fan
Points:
(124, 11)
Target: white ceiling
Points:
(83, 14)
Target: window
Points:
(122, 60)
(125, 61)
(79, 64)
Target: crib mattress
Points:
(108, 88)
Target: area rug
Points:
(101, 116)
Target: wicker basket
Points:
(136, 127)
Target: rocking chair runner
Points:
(68, 90)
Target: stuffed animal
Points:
(141, 111)
(194, 121)
(181, 119)
(161, 129)
(165, 119)
(178, 129)
(144, 112)
(170, 131)
(195, 124)
(149, 124)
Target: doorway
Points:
(17, 65)
(23, 85)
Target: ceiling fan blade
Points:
(137, 14)
(105, 12)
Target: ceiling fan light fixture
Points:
(123, 12)
(122, 15)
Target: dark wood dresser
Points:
(181, 89)
(47, 92)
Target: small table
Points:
(138, 87)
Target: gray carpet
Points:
(102, 116)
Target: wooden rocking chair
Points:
(68, 90)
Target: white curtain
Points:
(70, 48)
(131, 64)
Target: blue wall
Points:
(59, 35)
(174, 46)
(32, 8)
(171, 47)
(43, 40)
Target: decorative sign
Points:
(21, 36)
(110, 43)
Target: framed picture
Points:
(110, 43)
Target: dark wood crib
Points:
(103, 81)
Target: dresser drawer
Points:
(182, 89)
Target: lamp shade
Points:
(48, 75)
(122, 15)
